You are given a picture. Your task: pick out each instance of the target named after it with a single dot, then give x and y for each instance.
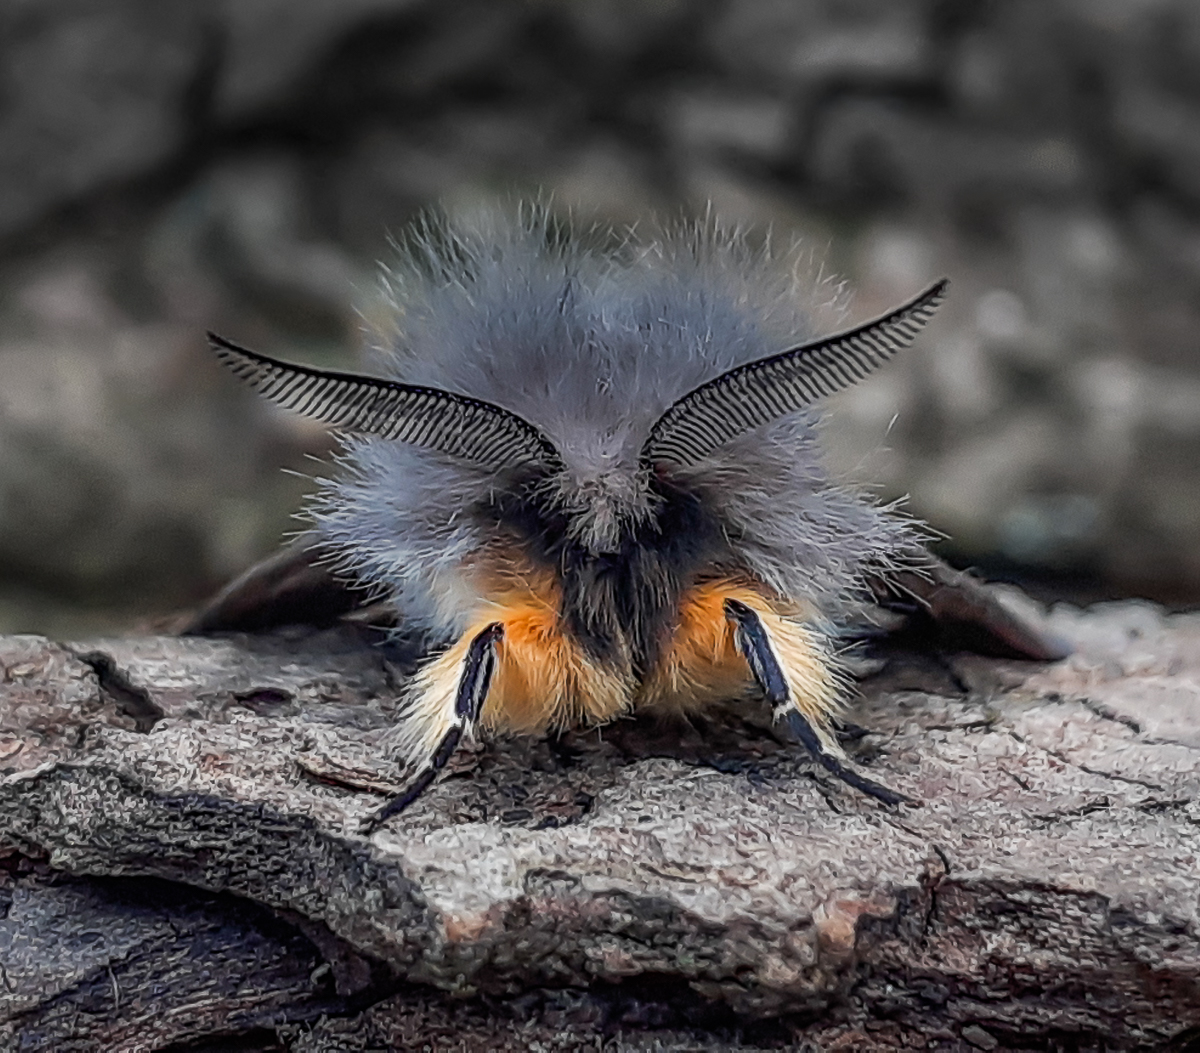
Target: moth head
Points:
(604, 507)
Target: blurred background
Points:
(168, 166)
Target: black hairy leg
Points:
(477, 669)
(755, 646)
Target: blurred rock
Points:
(270, 46)
(251, 226)
(129, 477)
(714, 122)
(91, 95)
(867, 40)
(170, 168)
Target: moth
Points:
(588, 473)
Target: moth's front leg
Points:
(437, 719)
(754, 642)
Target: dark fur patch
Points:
(629, 595)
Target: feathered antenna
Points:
(476, 431)
(705, 419)
(769, 388)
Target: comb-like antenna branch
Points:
(472, 429)
(765, 390)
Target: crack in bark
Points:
(1020, 780)
(1162, 806)
(1060, 756)
(116, 989)
(1130, 780)
(934, 882)
(973, 725)
(1107, 713)
(132, 699)
(1105, 803)
(1102, 804)
(1104, 712)
(895, 823)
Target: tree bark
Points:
(180, 859)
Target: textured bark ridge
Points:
(179, 859)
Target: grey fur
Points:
(590, 343)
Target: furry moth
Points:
(589, 474)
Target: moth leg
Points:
(755, 646)
(474, 680)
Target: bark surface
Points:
(180, 859)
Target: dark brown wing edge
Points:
(294, 586)
(950, 610)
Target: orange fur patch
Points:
(702, 665)
(544, 679)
